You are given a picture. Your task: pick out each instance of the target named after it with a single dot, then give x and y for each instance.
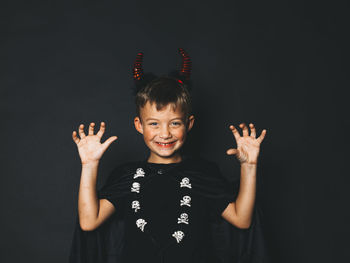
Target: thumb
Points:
(231, 151)
(109, 141)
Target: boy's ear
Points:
(190, 122)
(138, 125)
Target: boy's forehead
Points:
(150, 111)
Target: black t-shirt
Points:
(168, 209)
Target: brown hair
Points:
(162, 91)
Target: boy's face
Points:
(164, 131)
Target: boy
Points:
(161, 209)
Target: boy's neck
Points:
(156, 159)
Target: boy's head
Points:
(162, 91)
(164, 116)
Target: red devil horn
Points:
(137, 69)
(186, 64)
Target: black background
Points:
(279, 64)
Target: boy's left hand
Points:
(248, 146)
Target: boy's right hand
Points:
(89, 147)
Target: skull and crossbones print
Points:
(178, 236)
(183, 218)
(135, 205)
(186, 200)
(135, 187)
(185, 182)
(140, 223)
(139, 173)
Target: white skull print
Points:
(183, 218)
(185, 182)
(135, 205)
(141, 223)
(135, 187)
(186, 200)
(139, 173)
(178, 236)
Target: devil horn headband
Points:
(137, 69)
(182, 75)
(186, 64)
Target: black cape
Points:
(229, 244)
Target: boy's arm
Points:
(92, 211)
(240, 212)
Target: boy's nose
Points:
(164, 133)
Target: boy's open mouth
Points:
(166, 145)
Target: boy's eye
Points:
(176, 123)
(153, 123)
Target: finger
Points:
(252, 130)
(262, 136)
(102, 129)
(75, 138)
(235, 132)
(245, 129)
(91, 128)
(81, 131)
(109, 141)
(231, 151)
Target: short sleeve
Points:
(114, 189)
(224, 193)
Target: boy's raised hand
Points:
(89, 147)
(248, 146)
